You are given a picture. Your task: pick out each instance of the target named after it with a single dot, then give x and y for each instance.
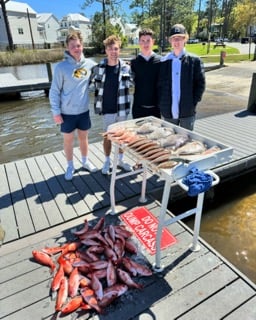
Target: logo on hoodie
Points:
(80, 73)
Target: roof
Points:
(131, 25)
(18, 7)
(76, 17)
(44, 17)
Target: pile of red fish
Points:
(94, 270)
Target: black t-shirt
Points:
(110, 90)
(146, 77)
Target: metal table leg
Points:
(113, 181)
(199, 207)
(161, 224)
(143, 198)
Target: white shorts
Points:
(110, 118)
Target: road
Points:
(243, 48)
(227, 89)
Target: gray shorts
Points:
(110, 118)
(187, 123)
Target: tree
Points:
(7, 26)
(143, 10)
(227, 7)
(98, 36)
(244, 16)
(107, 7)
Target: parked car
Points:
(245, 40)
(218, 39)
(193, 40)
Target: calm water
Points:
(27, 127)
(228, 224)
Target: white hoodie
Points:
(69, 89)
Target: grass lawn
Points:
(213, 56)
(201, 50)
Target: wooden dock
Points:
(9, 84)
(194, 285)
(38, 208)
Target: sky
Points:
(61, 8)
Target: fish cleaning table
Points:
(179, 169)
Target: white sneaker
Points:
(89, 166)
(125, 166)
(106, 167)
(69, 173)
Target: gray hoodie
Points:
(69, 90)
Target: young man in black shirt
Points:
(145, 68)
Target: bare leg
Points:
(83, 142)
(68, 145)
(107, 147)
(84, 148)
(68, 149)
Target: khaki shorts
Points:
(110, 118)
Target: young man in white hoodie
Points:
(69, 99)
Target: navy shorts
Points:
(71, 122)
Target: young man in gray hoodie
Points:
(69, 99)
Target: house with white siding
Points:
(47, 26)
(130, 30)
(75, 21)
(23, 25)
(41, 30)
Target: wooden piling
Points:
(49, 71)
(252, 97)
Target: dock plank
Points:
(222, 128)
(22, 214)
(202, 289)
(24, 281)
(246, 311)
(56, 198)
(71, 198)
(222, 302)
(21, 299)
(35, 207)
(44, 193)
(7, 218)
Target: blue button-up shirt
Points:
(175, 85)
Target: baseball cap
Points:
(178, 30)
